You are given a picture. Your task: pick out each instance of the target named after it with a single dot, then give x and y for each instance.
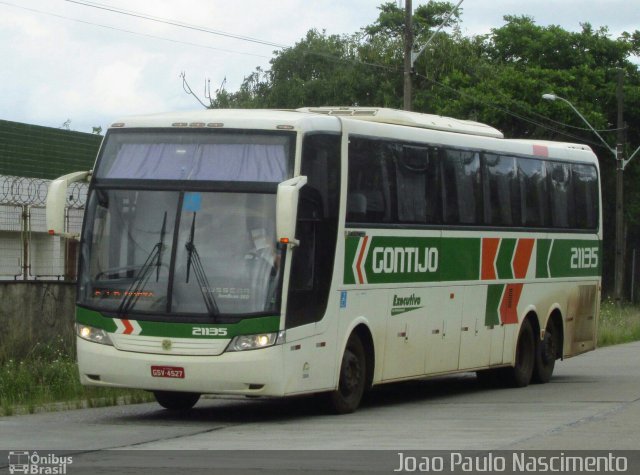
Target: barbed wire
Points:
(17, 190)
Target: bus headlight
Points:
(255, 342)
(96, 335)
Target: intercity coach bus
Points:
(328, 250)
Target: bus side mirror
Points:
(287, 209)
(57, 202)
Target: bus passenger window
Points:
(561, 195)
(585, 184)
(369, 183)
(533, 192)
(462, 187)
(417, 185)
(503, 205)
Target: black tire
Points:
(353, 375)
(546, 354)
(176, 401)
(520, 374)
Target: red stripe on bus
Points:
(541, 150)
(509, 304)
(361, 258)
(128, 327)
(489, 251)
(522, 257)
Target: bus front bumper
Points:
(253, 372)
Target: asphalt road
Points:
(592, 403)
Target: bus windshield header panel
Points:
(196, 155)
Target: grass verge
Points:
(618, 324)
(47, 376)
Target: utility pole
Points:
(408, 48)
(620, 163)
(410, 56)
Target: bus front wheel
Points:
(353, 373)
(176, 401)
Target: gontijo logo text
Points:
(392, 260)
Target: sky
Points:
(78, 64)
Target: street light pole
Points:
(620, 241)
(618, 154)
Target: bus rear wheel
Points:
(176, 401)
(353, 373)
(546, 354)
(520, 374)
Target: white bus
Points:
(328, 250)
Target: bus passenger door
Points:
(404, 345)
(442, 338)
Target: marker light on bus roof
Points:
(284, 127)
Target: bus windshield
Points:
(181, 223)
(180, 253)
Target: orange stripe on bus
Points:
(489, 251)
(361, 258)
(509, 304)
(522, 257)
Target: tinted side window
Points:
(534, 198)
(585, 186)
(461, 187)
(502, 198)
(561, 195)
(416, 170)
(370, 189)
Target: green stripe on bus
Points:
(95, 319)
(460, 259)
(413, 259)
(404, 260)
(543, 246)
(247, 326)
(505, 256)
(492, 309)
(575, 258)
(350, 248)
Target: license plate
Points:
(167, 372)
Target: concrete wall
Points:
(35, 312)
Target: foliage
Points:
(390, 22)
(49, 374)
(618, 324)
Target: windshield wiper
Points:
(133, 293)
(161, 243)
(193, 259)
